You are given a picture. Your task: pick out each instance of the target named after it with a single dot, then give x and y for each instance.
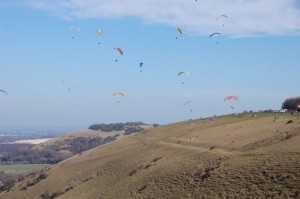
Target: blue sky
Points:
(255, 58)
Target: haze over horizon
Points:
(256, 58)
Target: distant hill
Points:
(77, 142)
(65, 146)
(251, 155)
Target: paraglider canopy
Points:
(118, 94)
(231, 97)
(224, 16)
(3, 91)
(188, 102)
(180, 31)
(141, 65)
(216, 33)
(99, 32)
(183, 72)
(120, 50)
(75, 28)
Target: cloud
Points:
(245, 17)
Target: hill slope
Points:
(230, 156)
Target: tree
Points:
(292, 104)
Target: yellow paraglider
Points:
(99, 32)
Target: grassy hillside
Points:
(228, 157)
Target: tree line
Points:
(135, 126)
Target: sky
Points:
(55, 75)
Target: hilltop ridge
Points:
(222, 157)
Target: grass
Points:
(232, 157)
(22, 168)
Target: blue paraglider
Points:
(141, 64)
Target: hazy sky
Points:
(256, 58)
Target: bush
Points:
(7, 180)
(131, 130)
(81, 144)
(7, 185)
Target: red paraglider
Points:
(231, 97)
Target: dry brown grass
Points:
(233, 157)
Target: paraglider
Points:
(221, 16)
(180, 31)
(75, 28)
(231, 97)
(68, 79)
(120, 50)
(183, 73)
(225, 16)
(118, 94)
(3, 91)
(99, 32)
(216, 33)
(188, 103)
(141, 64)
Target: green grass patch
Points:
(22, 168)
